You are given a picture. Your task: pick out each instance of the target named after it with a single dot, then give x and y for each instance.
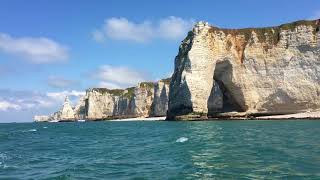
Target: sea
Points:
(226, 149)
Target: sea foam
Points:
(32, 130)
(182, 139)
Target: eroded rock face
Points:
(161, 97)
(67, 112)
(99, 103)
(256, 71)
(80, 108)
(145, 100)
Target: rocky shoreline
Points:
(251, 73)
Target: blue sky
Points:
(49, 49)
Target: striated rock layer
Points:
(246, 72)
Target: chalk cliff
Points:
(246, 72)
(66, 113)
(159, 105)
(145, 100)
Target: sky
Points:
(50, 49)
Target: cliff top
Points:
(286, 26)
(116, 92)
(148, 85)
(128, 92)
(262, 32)
(166, 80)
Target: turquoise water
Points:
(161, 150)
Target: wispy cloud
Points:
(60, 82)
(36, 50)
(98, 36)
(315, 15)
(5, 105)
(122, 29)
(174, 27)
(119, 76)
(61, 95)
(170, 28)
(109, 85)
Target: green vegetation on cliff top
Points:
(148, 85)
(116, 92)
(166, 80)
(128, 93)
(272, 33)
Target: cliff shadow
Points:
(160, 104)
(232, 96)
(179, 100)
(184, 105)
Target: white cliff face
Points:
(103, 103)
(161, 96)
(41, 118)
(100, 104)
(67, 112)
(143, 99)
(80, 108)
(267, 70)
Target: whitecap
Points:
(45, 127)
(32, 130)
(182, 139)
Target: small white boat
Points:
(81, 120)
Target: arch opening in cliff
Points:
(223, 85)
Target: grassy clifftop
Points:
(271, 32)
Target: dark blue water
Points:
(148, 150)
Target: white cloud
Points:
(119, 76)
(174, 27)
(109, 85)
(60, 82)
(171, 28)
(5, 105)
(37, 50)
(122, 29)
(61, 95)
